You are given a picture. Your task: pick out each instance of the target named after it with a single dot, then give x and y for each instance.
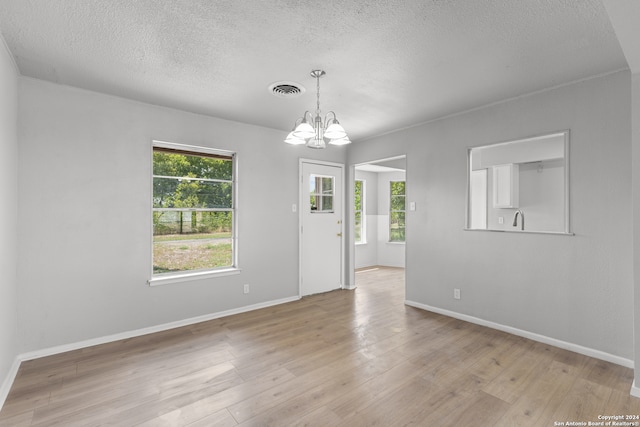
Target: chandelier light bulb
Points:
(340, 141)
(293, 140)
(335, 131)
(304, 130)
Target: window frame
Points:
(188, 275)
(391, 210)
(362, 210)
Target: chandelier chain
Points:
(318, 94)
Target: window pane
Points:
(397, 188)
(186, 240)
(358, 196)
(397, 203)
(181, 165)
(321, 193)
(191, 193)
(358, 227)
(397, 211)
(327, 203)
(327, 185)
(397, 227)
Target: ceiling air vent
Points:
(286, 89)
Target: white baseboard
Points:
(635, 391)
(530, 335)
(150, 330)
(8, 381)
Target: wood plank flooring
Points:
(344, 358)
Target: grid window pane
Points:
(397, 207)
(321, 193)
(193, 211)
(191, 193)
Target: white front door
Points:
(321, 228)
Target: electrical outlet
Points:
(456, 293)
(246, 289)
(500, 220)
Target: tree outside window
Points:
(359, 212)
(193, 211)
(397, 212)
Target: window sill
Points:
(187, 277)
(360, 243)
(396, 243)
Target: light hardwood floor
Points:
(344, 358)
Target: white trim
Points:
(150, 330)
(194, 148)
(15, 68)
(635, 391)
(187, 277)
(8, 381)
(628, 363)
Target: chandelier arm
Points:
(296, 123)
(307, 113)
(326, 117)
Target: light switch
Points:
(294, 208)
(412, 206)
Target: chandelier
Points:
(314, 132)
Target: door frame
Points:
(351, 202)
(301, 162)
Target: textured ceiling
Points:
(390, 64)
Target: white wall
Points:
(9, 347)
(366, 254)
(578, 289)
(85, 235)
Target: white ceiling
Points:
(390, 64)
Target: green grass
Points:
(197, 256)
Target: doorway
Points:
(321, 227)
(379, 200)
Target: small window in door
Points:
(321, 193)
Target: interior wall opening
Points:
(379, 211)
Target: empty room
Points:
(167, 169)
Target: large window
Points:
(193, 209)
(359, 211)
(397, 211)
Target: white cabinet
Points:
(505, 185)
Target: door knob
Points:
(339, 234)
